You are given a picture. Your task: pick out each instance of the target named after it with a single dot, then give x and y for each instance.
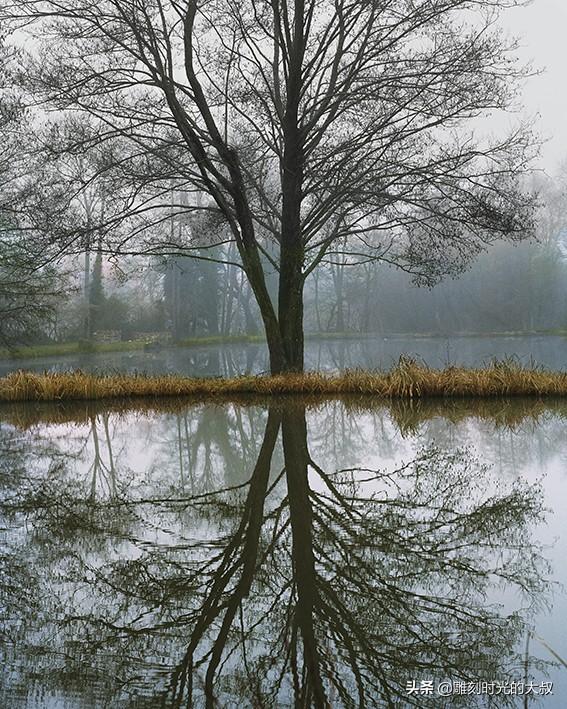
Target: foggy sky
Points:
(542, 30)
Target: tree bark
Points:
(296, 460)
(290, 297)
(290, 310)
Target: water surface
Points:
(281, 555)
(328, 354)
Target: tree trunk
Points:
(274, 338)
(284, 331)
(290, 308)
(296, 460)
(290, 296)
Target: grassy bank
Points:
(75, 348)
(59, 349)
(407, 380)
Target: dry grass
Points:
(407, 380)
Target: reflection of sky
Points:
(147, 452)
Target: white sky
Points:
(542, 30)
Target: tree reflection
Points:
(305, 586)
(369, 588)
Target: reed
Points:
(409, 379)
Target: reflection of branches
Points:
(384, 585)
(239, 555)
(212, 445)
(321, 587)
(433, 553)
(99, 468)
(425, 545)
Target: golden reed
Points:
(408, 379)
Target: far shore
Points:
(61, 349)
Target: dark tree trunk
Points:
(290, 309)
(296, 460)
(271, 325)
(290, 296)
(254, 270)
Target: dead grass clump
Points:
(407, 380)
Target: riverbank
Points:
(407, 380)
(61, 349)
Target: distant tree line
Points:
(521, 288)
(512, 287)
(515, 287)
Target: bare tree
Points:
(314, 127)
(28, 291)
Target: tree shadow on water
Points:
(356, 582)
(302, 586)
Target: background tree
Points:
(96, 294)
(29, 289)
(514, 287)
(314, 128)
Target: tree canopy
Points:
(297, 130)
(28, 289)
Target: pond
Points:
(334, 553)
(328, 354)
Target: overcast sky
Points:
(542, 29)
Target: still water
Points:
(329, 354)
(336, 554)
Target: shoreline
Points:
(407, 380)
(24, 352)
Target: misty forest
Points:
(283, 363)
